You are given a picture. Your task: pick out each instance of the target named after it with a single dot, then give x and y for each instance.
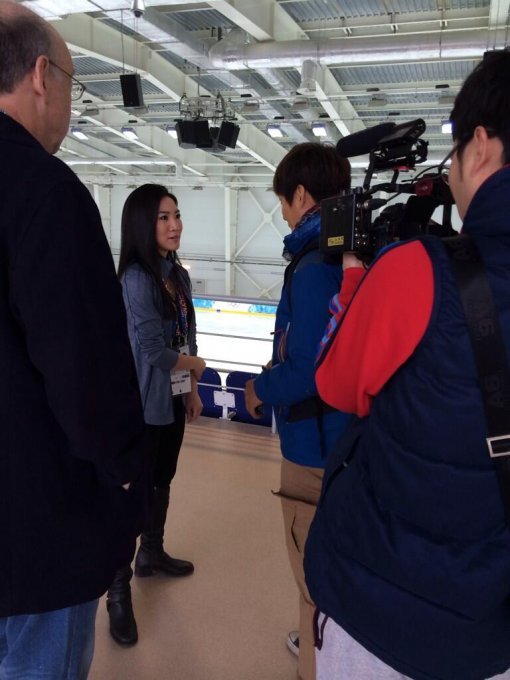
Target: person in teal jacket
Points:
(309, 173)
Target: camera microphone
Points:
(364, 141)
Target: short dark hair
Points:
(22, 40)
(318, 167)
(484, 99)
(138, 236)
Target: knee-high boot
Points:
(120, 608)
(151, 558)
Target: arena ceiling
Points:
(345, 64)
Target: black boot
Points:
(120, 609)
(151, 558)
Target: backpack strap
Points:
(489, 352)
(313, 407)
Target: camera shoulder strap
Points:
(489, 353)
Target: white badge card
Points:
(181, 380)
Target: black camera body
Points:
(346, 219)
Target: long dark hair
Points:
(138, 238)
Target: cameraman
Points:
(408, 558)
(309, 173)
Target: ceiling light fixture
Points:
(446, 127)
(250, 106)
(319, 130)
(300, 103)
(78, 133)
(129, 133)
(274, 131)
(377, 101)
(446, 99)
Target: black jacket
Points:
(71, 422)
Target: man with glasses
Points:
(408, 557)
(77, 88)
(72, 451)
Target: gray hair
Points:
(22, 39)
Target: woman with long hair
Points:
(162, 331)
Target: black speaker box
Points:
(186, 134)
(202, 134)
(228, 134)
(131, 86)
(193, 134)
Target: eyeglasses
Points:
(443, 171)
(77, 88)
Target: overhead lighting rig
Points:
(194, 131)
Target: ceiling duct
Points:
(308, 83)
(349, 51)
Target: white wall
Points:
(223, 226)
(210, 242)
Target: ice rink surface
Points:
(234, 340)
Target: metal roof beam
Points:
(263, 20)
(339, 110)
(84, 34)
(498, 22)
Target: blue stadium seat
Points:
(238, 379)
(209, 383)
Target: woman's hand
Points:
(198, 367)
(186, 362)
(193, 403)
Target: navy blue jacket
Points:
(409, 551)
(71, 421)
(301, 319)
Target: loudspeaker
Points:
(228, 134)
(202, 134)
(193, 134)
(225, 135)
(131, 86)
(185, 134)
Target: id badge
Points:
(181, 380)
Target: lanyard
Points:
(181, 307)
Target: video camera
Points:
(346, 219)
